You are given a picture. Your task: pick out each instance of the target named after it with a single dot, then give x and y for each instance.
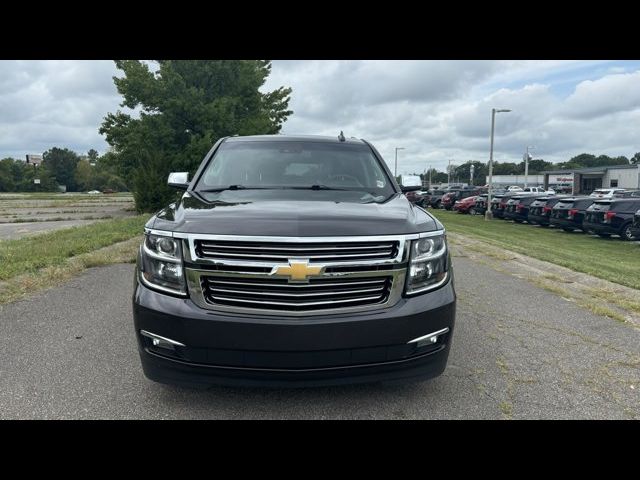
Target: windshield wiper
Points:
(318, 187)
(231, 187)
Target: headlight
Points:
(161, 264)
(428, 264)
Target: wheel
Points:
(570, 230)
(603, 235)
(472, 211)
(626, 233)
(517, 220)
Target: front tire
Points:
(472, 211)
(568, 230)
(626, 233)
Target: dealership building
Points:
(586, 180)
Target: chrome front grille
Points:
(279, 294)
(315, 252)
(255, 274)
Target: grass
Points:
(22, 285)
(31, 254)
(610, 259)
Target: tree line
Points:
(61, 167)
(462, 173)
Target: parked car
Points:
(514, 188)
(417, 197)
(94, 192)
(568, 213)
(277, 289)
(628, 193)
(466, 205)
(540, 209)
(108, 190)
(517, 208)
(499, 203)
(635, 229)
(607, 192)
(450, 198)
(540, 190)
(436, 198)
(612, 217)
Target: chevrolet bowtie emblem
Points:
(297, 271)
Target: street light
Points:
(526, 166)
(395, 173)
(488, 215)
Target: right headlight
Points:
(428, 264)
(161, 264)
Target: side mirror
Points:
(179, 180)
(410, 188)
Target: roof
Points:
(293, 138)
(590, 169)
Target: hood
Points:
(292, 213)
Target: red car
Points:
(466, 205)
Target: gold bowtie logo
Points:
(297, 271)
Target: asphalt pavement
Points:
(518, 352)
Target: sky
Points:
(437, 111)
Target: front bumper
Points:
(251, 350)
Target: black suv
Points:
(292, 261)
(568, 213)
(499, 203)
(540, 210)
(612, 217)
(436, 198)
(635, 229)
(517, 208)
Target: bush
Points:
(151, 192)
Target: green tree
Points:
(93, 155)
(635, 159)
(185, 107)
(536, 166)
(61, 163)
(84, 175)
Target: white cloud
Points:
(436, 110)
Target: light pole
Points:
(526, 166)
(488, 215)
(395, 173)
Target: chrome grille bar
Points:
(332, 251)
(213, 253)
(299, 304)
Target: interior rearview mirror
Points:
(179, 180)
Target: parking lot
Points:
(70, 352)
(27, 214)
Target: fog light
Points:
(161, 342)
(429, 339)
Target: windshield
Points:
(284, 164)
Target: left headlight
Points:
(161, 264)
(428, 264)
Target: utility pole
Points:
(449, 173)
(526, 167)
(472, 168)
(395, 173)
(488, 215)
(430, 178)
